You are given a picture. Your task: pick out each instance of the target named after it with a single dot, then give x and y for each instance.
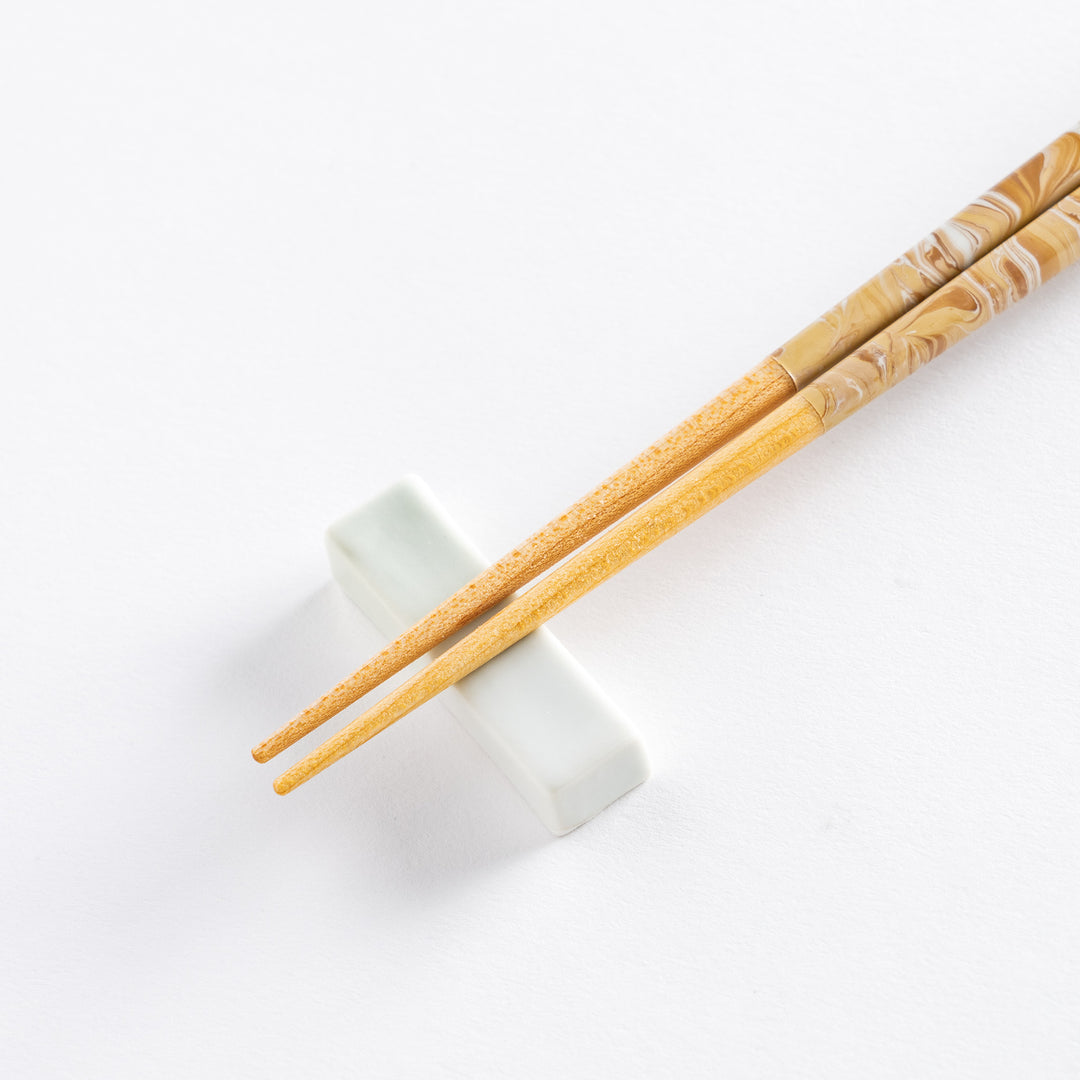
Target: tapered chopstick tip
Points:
(272, 745)
(284, 784)
(262, 753)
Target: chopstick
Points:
(1007, 274)
(917, 274)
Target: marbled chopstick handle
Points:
(1012, 270)
(933, 262)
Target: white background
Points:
(261, 259)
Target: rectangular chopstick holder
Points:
(534, 709)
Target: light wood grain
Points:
(695, 438)
(789, 427)
(905, 282)
(1006, 275)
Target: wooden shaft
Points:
(932, 262)
(791, 426)
(737, 409)
(1006, 275)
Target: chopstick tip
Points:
(262, 753)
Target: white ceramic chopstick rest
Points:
(535, 710)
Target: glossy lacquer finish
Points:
(1011, 271)
(935, 260)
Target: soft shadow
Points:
(414, 811)
(276, 672)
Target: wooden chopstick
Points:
(918, 273)
(1009, 273)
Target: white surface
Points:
(541, 718)
(258, 261)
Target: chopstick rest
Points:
(534, 709)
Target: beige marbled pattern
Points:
(935, 260)
(1017, 267)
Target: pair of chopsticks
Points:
(994, 252)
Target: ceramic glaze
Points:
(539, 715)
